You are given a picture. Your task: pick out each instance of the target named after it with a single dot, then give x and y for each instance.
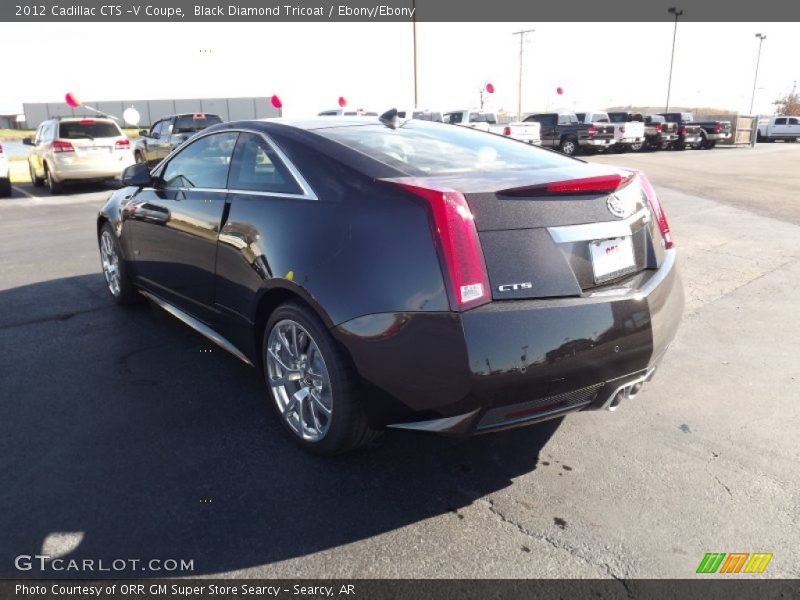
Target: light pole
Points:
(521, 35)
(761, 37)
(673, 11)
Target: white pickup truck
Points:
(628, 127)
(779, 128)
(483, 120)
(5, 178)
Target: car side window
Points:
(156, 128)
(256, 167)
(780, 121)
(202, 164)
(793, 121)
(454, 118)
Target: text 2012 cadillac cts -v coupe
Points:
(404, 274)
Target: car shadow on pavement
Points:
(128, 436)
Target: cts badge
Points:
(513, 287)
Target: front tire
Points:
(36, 181)
(115, 269)
(313, 385)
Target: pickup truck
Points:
(168, 133)
(658, 133)
(779, 128)
(566, 133)
(487, 121)
(628, 130)
(712, 132)
(688, 131)
(625, 134)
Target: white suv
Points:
(77, 149)
(5, 178)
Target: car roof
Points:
(186, 114)
(74, 119)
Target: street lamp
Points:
(761, 37)
(677, 12)
(521, 35)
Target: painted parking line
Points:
(28, 194)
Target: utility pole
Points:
(521, 35)
(414, 25)
(673, 11)
(761, 37)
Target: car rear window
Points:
(87, 129)
(192, 123)
(419, 148)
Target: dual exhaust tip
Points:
(629, 391)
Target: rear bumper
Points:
(629, 141)
(691, 139)
(718, 136)
(596, 142)
(68, 168)
(515, 362)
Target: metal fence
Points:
(743, 128)
(230, 109)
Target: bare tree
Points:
(788, 104)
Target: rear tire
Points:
(638, 147)
(700, 144)
(5, 188)
(53, 186)
(314, 387)
(115, 269)
(568, 146)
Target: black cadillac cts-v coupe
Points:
(404, 274)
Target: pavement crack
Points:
(50, 318)
(715, 455)
(557, 544)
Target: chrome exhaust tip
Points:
(634, 390)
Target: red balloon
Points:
(72, 100)
(276, 102)
(490, 88)
(342, 101)
(559, 90)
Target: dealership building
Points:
(150, 111)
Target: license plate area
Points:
(612, 258)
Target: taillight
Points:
(1, 148)
(506, 130)
(658, 212)
(659, 128)
(717, 128)
(122, 145)
(457, 239)
(87, 122)
(683, 130)
(59, 146)
(592, 130)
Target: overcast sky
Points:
(311, 64)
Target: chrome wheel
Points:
(110, 260)
(568, 147)
(299, 380)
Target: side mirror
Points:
(155, 135)
(137, 175)
(27, 141)
(144, 133)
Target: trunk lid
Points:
(538, 244)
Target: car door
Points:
(162, 144)
(35, 158)
(548, 131)
(779, 128)
(174, 225)
(793, 127)
(268, 201)
(149, 142)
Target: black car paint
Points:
(363, 257)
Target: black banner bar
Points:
(712, 588)
(396, 10)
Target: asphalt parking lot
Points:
(126, 435)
